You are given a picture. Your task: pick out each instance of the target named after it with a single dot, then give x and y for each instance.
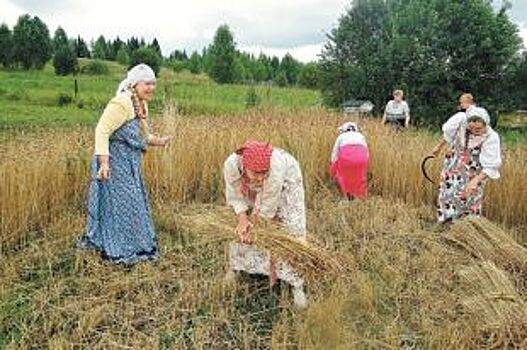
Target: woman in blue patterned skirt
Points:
(119, 221)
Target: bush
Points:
(65, 61)
(122, 57)
(177, 66)
(309, 76)
(64, 100)
(17, 95)
(147, 56)
(95, 67)
(252, 99)
(281, 79)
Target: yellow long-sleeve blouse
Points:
(118, 111)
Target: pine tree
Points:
(291, 68)
(60, 39)
(6, 46)
(132, 45)
(155, 46)
(222, 56)
(65, 59)
(81, 49)
(100, 48)
(194, 63)
(309, 76)
(122, 57)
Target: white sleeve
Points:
(406, 108)
(364, 140)
(387, 108)
(335, 152)
(288, 179)
(490, 156)
(452, 125)
(273, 186)
(233, 179)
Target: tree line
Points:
(29, 45)
(432, 49)
(226, 64)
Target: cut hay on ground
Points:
(401, 288)
(490, 294)
(496, 310)
(487, 241)
(218, 223)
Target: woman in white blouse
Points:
(473, 156)
(349, 161)
(264, 181)
(397, 112)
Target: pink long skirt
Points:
(350, 171)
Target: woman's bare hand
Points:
(103, 173)
(243, 229)
(159, 141)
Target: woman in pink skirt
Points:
(349, 162)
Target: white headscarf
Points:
(141, 72)
(479, 112)
(348, 126)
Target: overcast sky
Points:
(272, 26)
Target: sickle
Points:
(423, 168)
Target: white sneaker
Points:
(299, 298)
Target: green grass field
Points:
(513, 128)
(31, 98)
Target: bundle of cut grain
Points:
(487, 241)
(307, 257)
(497, 316)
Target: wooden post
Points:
(76, 88)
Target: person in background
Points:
(397, 112)
(264, 181)
(119, 223)
(466, 102)
(349, 162)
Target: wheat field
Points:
(405, 282)
(48, 172)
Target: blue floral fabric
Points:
(119, 223)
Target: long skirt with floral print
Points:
(460, 166)
(119, 223)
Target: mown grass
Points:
(400, 289)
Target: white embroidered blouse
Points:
(284, 169)
(490, 156)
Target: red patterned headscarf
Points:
(256, 156)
